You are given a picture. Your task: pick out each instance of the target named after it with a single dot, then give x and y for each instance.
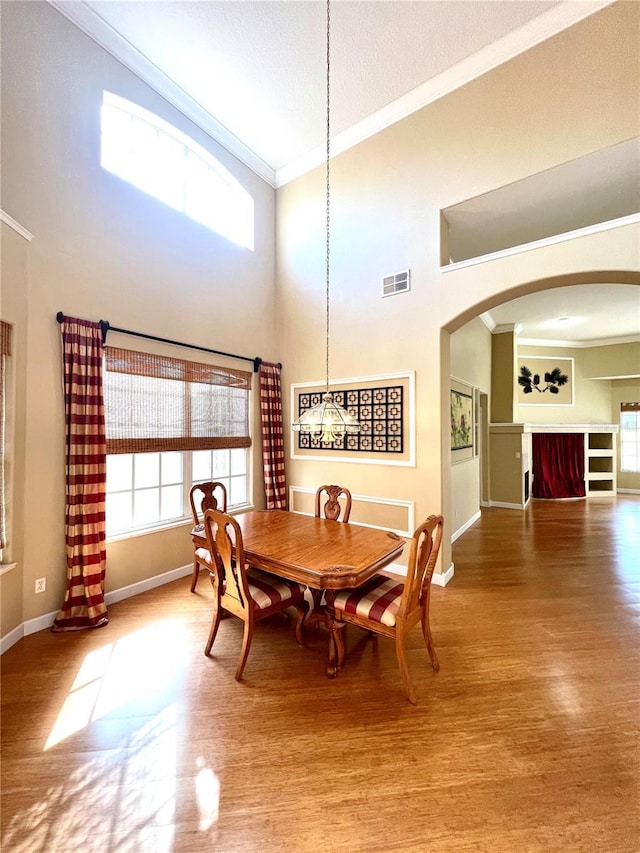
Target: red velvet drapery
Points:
(558, 465)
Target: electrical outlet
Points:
(41, 584)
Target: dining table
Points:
(322, 554)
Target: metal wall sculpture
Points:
(380, 412)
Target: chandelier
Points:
(327, 419)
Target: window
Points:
(156, 157)
(171, 423)
(630, 437)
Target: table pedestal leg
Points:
(336, 642)
(324, 614)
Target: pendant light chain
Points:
(327, 421)
(328, 222)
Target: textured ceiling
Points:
(254, 73)
(581, 315)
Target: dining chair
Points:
(339, 501)
(390, 607)
(204, 496)
(243, 591)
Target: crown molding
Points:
(593, 342)
(557, 19)
(560, 18)
(93, 25)
(516, 328)
(488, 320)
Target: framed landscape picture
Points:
(461, 420)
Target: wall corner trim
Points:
(19, 229)
(443, 578)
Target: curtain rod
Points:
(107, 327)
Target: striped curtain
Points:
(5, 349)
(86, 465)
(272, 436)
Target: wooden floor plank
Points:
(127, 738)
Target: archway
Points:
(592, 277)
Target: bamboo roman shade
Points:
(630, 407)
(5, 338)
(158, 403)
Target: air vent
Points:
(398, 283)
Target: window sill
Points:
(6, 567)
(182, 522)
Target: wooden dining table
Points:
(324, 555)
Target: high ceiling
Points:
(252, 74)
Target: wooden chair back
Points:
(213, 496)
(249, 597)
(384, 606)
(425, 547)
(210, 500)
(338, 503)
(224, 538)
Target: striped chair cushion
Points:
(378, 600)
(266, 589)
(203, 556)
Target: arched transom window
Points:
(156, 157)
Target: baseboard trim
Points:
(40, 623)
(149, 583)
(503, 505)
(442, 579)
(11, 639)
(465, 526)
(628, 491)
(438, 578)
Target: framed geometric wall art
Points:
(544, 381)
(384, 405)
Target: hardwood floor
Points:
(127, 738)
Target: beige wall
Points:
(592, 397)
(13, 309)
(510, 457)
(471, 354)
(612, 361)
(104, 250)
(503, 368)
(470, 363)
(572, 95)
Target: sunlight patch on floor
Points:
(207, 795)
(136, 668)
(123, 796)
(122, 799)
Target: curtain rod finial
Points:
(59, 316)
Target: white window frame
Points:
(187, 483)
(636, 442)
(153, 155)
